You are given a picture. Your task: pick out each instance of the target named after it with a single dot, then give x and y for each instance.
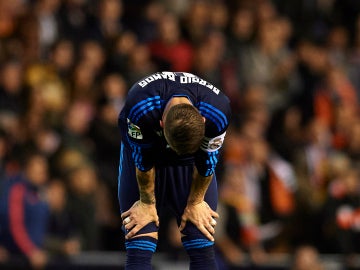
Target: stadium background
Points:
(289, 171)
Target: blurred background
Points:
(289, 193)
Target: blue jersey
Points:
(143, 111)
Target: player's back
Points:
(147, 99)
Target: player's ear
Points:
(204, 119)
(161, 124)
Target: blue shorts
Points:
(172, 185)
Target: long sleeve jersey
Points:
(143, 111)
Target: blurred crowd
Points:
(289, 172)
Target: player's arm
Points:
(142, 150)
(146, 183)
(199, 187)
(143, 211)
(197, 210)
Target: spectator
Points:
(83, 183)
(311, 163)
(48, 26)
(285, 132)
(10, 13)
(341, 213)
(270, 186)
(74, 20)
(11, 87)
(257, 198)
(24, 214)
(219, 17)
(242, 30)
(104, 131)
(270, 62)
(121, 51)
(110, 19)
(335, 91)
(62, 58)
(61, 240)
(196, 21)
(105, 135)
(76, 125)
(139, 63)
(207, 58)
(93, 55)
(169, 46)
(338, 44)
(147, 27)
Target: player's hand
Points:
(202, 216)
(138, 216)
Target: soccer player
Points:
(172, 127)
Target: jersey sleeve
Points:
(141, 146)
(140, 133)
(217, 121)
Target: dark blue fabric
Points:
(202, 258)
(139, 253)
(172, 186)
(144, 147)
(139, 120)
(149, 228)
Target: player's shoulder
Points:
(212, 97)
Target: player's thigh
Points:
(211, 196)
(177, 184)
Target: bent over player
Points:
(172, 127)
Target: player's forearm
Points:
(199, 187)
(146, 183)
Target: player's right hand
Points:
(138, 216)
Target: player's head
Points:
(184, 128)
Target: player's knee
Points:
(192, 231)
(144, 243)
(193, 238)
(149, 230)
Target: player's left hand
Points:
(138, 216)
(202, 216)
